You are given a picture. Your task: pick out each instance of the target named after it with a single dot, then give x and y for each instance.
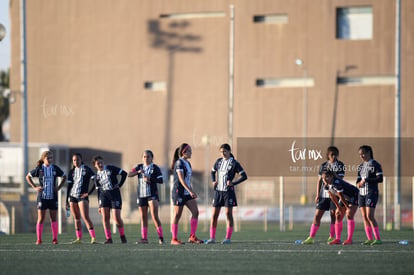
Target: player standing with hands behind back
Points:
(369, 175)
(47, 173)
(223, 174)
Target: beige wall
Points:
(88, 62)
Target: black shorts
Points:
(77, 200)
(111, 199)
(144, 201)
(369, 200)
(180, 199)
(43, 204)
(225, 198)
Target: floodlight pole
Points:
(231, 76)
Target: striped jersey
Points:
(152, 171)
(226, 170)
(47, 176)
(107, 178)
(348, 190)
(183, 166)
(78, 180)
(338, 167)
(371, 171)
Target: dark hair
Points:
(332, 149)
(227, 147)
(178, 153)
(79, 156)
(149, 152)
(95, 159)
(367, 149)
(328, 172)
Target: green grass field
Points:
(252, 252)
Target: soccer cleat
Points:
(336, 241)
(226, 241)
(210, 241)
(108, 241)
(161, 241)
(93, 241)
(176, 242)
(376, 242)
(38, 242)
(309, 240)
(55, 241)
(330, 239)
(194, 239)
(142, 241)
(347, 242)
(367, 242)
(77, 241)
(123, 239)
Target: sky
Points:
(5, 44)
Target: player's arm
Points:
(123, 174)
(32, 184)
(134, 172)
(342, 197)
(378, 176)
(180, 175)
(335, 199)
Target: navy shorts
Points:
(180, 199)
(225, 198)
(324, 204)
(43, 204)
(144, 201)
(111, 199)
(77, 200)
(369, 200)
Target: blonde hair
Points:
(44, 155)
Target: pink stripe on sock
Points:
(368, 232)
(313, 230)
(144, 232)
(351, 228)
(79, 234)
(174, 230)
(92, 233)
(194, 223)
(108, 234)
(160, 232)
(338, 230)
(55, 229)
(229, 232)
(376, 233)
(213, 232)
(39, 230)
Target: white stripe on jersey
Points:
(77, 182)
(144, 189)
(225, 166)
(48, 182)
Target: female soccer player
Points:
(322, 199)
(183, 194)
(77, 197)
(347, 204)
(223, 176)
(149, 175)
(110, 196)
(369, 175)
(47, 173)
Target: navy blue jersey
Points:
(371, 171)
(338, 167)
(144, 189)
(78, 181)
(183, 166)
(107, 178)
(47, 176)
(348, 190)
(226, 171)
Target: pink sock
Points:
(55, 229)
(193, 229)
(351, 228)
(108, 234)
(213, 232)
(92, 233)
(332, 231)
(144, 233)
(314, 228)
(159, 232)
(368, 232)
(39, 230)
(229, 232)
(174, 231)
(79, 234)
(376, 233)
(338, 230)
(121, 231)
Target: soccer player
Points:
(323, 200)
(110, 196)
(149, 175)
(223, 176)
(346, 205)
(47, 173)
(183, 194)
(369, 175)
(77, 197)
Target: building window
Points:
(354, 23)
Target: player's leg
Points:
(192, 206)
(143, 210)
(153, 205)
(84, 211)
